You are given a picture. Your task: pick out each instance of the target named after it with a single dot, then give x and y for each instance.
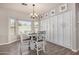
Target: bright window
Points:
(24, 27)
(36, 26)
(12, 27)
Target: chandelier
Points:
(33, 14)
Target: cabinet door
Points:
(50, 39)
(55, 29)
(46, 25)
(60, 29)
(51, 26)
(48, 30)
(67, 29)
(47, 38)
(42, 25)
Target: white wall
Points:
(5, 14)
(3, 27)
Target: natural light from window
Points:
(24, 27)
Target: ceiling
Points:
(40, 8)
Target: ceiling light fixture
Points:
(24, 4)
(34, 15)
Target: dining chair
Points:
(40, 41)
(24, 41)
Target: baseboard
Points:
(74, 50)
(4, 43)
(13, 41)
(9, 42)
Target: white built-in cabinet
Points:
(67, 25)
(58, 28)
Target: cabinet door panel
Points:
(60, 29)
(52, 25)
(46, 29)
(55, 29)
(67, 28)
(49, 36)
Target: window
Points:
(24, 27)
(12, 26)
(12, 30)
(36, 26)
